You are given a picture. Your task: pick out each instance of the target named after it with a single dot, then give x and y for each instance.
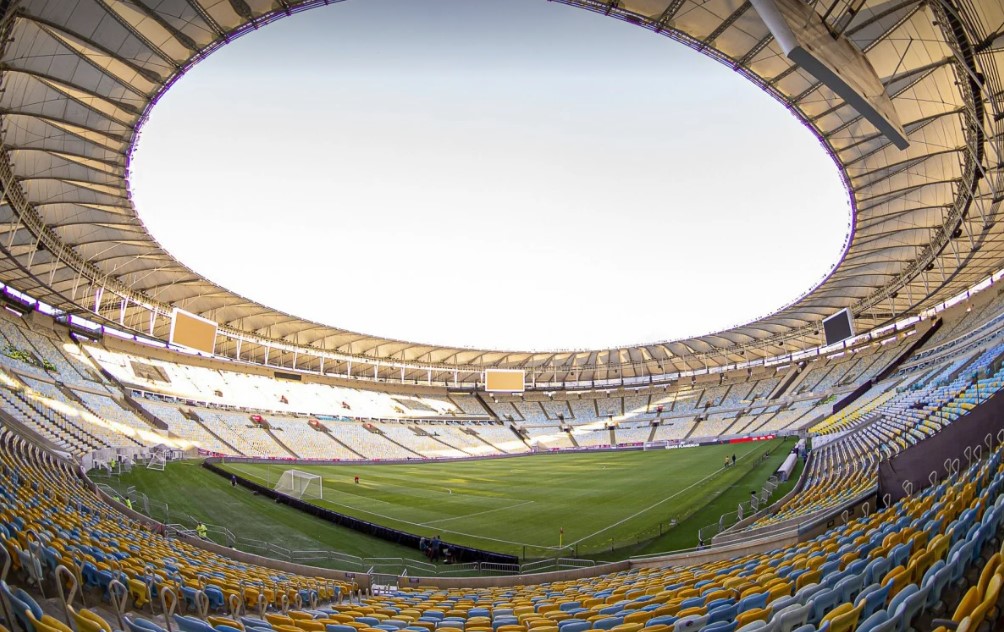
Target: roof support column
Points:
(16, 225)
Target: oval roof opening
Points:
(515, 175)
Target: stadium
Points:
(178, 456)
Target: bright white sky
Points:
(369, 164)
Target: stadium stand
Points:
(883, 425)
(898, 564)
(50, 518)
(211, 390)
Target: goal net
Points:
(299, 484)
(158, 461)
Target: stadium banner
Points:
(767, 437)
(969, 433)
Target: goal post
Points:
(158, 461)
(300, 484)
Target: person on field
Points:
(357, 480)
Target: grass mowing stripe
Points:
(654, 505)
(431, 522)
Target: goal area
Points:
(300, 484)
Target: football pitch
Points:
(575, 504)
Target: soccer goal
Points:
(158, 461)
(300, 484)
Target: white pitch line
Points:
(480, 513)
(653, 506)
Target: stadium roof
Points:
(79, 78)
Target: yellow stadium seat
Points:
(989, 569)
(47, 624)
(987, 603)
(809, 577)
(755, 614)
(899, 579)
(88, 624)
(278, 619)
(843, 618)
(627, 627)
(639, 617)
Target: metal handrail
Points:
(168, 607)
(63, 599)
(35, 567)
(6, 559)
(201, 604)
(119, 596)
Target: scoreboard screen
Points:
(838, 327)
(194, 332)
(504, 381)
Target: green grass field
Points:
(518, 505)
(610, 504)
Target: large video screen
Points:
(194, 332)
(504, 381)
(838, 327)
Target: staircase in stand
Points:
(488, 443)
(281, 443)
(571, 438)
(692, 429)
(332, 436)
(388, 438)
(192, 416)
(445, 444)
